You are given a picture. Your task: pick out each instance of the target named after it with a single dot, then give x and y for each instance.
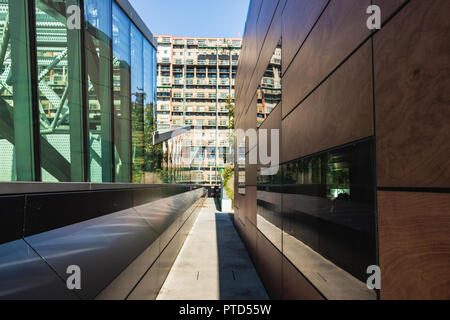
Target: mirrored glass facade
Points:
(77, 94)
(320, 212)
(17, 156)
(122, 97)
(269, 90)
(98, 87)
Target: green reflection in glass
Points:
(60, 97)
(98, 71)
(122, 97)
(16, 136)
(137, 105)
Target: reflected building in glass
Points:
(269, 92)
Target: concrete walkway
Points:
(213, 263)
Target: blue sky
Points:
(195, 18)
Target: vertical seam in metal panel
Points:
(112, 106)
(374, 154)
(84, 95)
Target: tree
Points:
(231, 111)
(153, 159)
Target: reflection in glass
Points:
(122, 97)
(98, 70)
(60, 98)
(152, 154)
(16, 137)
(329, 217)
(137, 105)
(241, 161)
(76, 123)
(269, 89)
(269, 219)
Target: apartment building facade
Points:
(195, 82)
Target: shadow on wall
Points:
(238, 279)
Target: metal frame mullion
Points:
(84, 93)
(34, 91)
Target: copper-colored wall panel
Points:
(270, 42)
(414, 231)
(270, 266)
(388, 7)
(250, 197)
(340, 30)
(264, 20)
(273, 121)
(250, 172)
(299, 16)
(249, 54)
(412, 82)
(250, 116)
(338, 112)
(295, 286)
(250, 236)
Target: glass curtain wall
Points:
(152, 154)
(98, 44)
(16, 125)
(122, 97)
(91, 112)
(60, 93)
(137, 104)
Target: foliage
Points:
(228, 182)
(153, 159)
(231, 111)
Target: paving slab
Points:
(213, 263)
